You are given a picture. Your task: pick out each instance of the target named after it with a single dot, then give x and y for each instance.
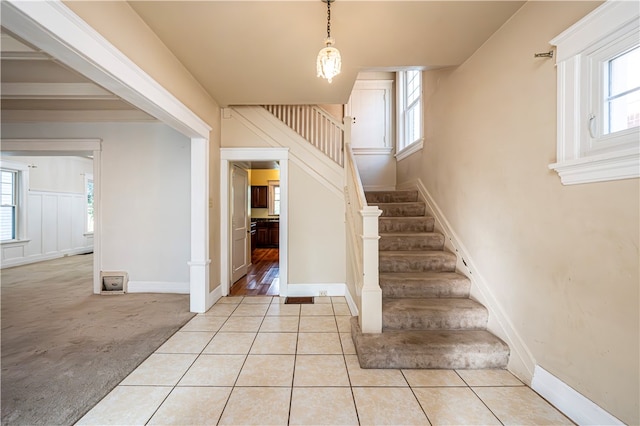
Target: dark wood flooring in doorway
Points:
(261, 278)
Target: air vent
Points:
(114, 282)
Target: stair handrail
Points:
(314, 124)
(362, 244)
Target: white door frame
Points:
(55, 29)
(228, 156)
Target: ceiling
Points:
(259, 52)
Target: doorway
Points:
(267, 272)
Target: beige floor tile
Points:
(318, 324)
(373, 377)
(280, 324)
(126, 405)
(234, 300)
(192, 406)
(160, 370)
(242, 324)
(221, 309)
(275, 344)
(319, 343)
(213, 370)
(344, 324)
(338, 300)
(489, 378)
(204, 323)
(278, 300)
(267, 370)
(257, 406)
(230, 343)
(186, 342)
(348, 348)
(388, 406)
(444, 406)
(320, 370)
(520, 405)
(318, 300)
(342, 310)
(426, 378)
(257, 300)
(322, 406)
(250, 310)
(283, 310)
(312, 310)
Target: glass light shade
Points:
(328, 62)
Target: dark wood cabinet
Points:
(267, 233)
(259, 197)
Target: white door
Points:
(239, 223)
(370, 107)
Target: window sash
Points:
(411, 108)
(8, 223)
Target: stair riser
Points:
(391, 197)
(449, 359)
(452, 319)
(402, 209)
(427, 264)
(431, 242)
(425, 224)
(416, 289)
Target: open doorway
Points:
(255, 223)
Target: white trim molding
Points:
(158, 287)
(410, 149)
(572, 403)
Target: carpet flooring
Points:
(64, 348)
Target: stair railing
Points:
(362, 244)
(315, 125)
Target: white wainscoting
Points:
(55, 228)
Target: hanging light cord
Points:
(328, 18)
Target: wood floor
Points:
(261, 276)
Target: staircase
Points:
(428, 319)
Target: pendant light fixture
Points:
(328, 63)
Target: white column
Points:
(371, 308)
(199, 264)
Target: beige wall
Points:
(562, 261)
(122, 27)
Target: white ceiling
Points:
(259, 52)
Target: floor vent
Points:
(298, 301)
(114, 282)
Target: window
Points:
(409, 112)
(599, 96)
(274, 197)
(13, 209)
(9, 205)
(88, 187)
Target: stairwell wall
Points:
(561, 261)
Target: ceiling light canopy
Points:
(329, 62)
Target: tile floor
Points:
(257, 361)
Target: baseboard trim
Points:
(573, 404)
(18, 261)
(158, 287)
(353, 307)
(214, 296)
(524, 363)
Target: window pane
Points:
(8, 188)
(624, 72)
(89, 206)
(624, 112)
(413, 86)
(7, 220)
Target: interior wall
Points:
(561, 261)
(56, 174)
(145, 186)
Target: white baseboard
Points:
(214, 296)
(305, 290)
(18, 261)
(521, 361)
(158, 287)
(353, 307)
(566, 399)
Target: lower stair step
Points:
(406, 224)
(433, 314)
(433, 349)
(416, 261)
(402, 209)
(411, 241)
(424, 284)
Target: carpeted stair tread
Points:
(416, 261)
(433, 349)
(374, 197)
(424, 284)
(411, 209)
(406, 224)
(433, 314)
(411, 241)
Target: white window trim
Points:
(88, 177)
(403, 151)
(576, 162)
(21, 202)
(271, 198)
